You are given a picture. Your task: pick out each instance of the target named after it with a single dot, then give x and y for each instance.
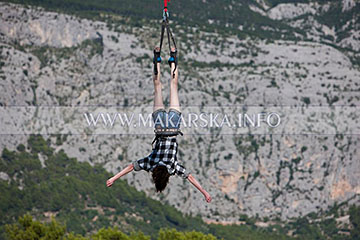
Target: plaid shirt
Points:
(163, 154)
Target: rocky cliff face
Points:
(54, 59)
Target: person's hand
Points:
(109, 182)
(207, 197)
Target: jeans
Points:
(166, 120)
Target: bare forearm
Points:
(196, 184)
(124, 172)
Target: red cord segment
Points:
(165, 5)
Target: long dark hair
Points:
(160, 176)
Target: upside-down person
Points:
(162, 161)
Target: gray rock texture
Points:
(52, 59)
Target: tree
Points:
(28, 229)
(355, 221)
(110, 234)
(176, 235)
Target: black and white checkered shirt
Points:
(163, 154)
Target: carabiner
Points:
(165, 15)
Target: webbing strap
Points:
(170, 35)
(165, 25)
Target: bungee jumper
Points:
(162, 161)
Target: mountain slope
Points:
(48, 184)
(55, 59)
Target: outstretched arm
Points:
(198, 186)
(123, 172)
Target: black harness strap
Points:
(170, 35)
(165, 25)
(160, 136)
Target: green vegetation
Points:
(355, 221)
(27, 228)
(2, 64)
(46, 54)
(188, 13)
(337, 18)
(306, 100)
(223, 17)
(75, 193)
